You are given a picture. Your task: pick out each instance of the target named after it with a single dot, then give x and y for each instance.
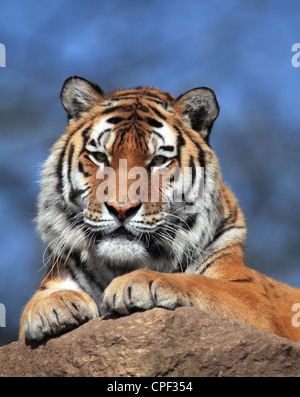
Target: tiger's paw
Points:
(57, 313)
(142, 290)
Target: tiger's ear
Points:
(79, 96)
(199, 108)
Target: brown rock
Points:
(185, 342)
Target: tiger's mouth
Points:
(123, 235)
(122, 247)
(120, 233)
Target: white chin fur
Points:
(120, 251)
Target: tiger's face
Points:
(119, 170)
(130, 174)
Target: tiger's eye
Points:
(101, 157)
(158, 160)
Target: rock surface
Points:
(185, 342)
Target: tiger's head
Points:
(133, 181)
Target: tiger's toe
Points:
(57, 313)
(141, 290)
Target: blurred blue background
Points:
(240, 49)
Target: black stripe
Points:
(59, 186)
(233, 214)
(139, 91)
(70, 158)
(190, 222)
(201, 157)
(125, 97)
(81, 169)
(115, 120)
(134, 96)
(118, 107)
(154, 123)
(192, 166)
(157, 101)
(75, 193)
(182, 265)
(102, 133)
(152, 95)
(221, 229)
(62, 155)
(167, 148)
(157, 112)
(120, 133)
(211, 262)
(142, 108)
(93, 143)
(201, 154)
(70, 215)
(140, 139)
(180, 138)
(159, 135)
(82, 266)
(130, 93)
(73, 275)
(85, 136)
(85, 133)
(180, 142)
(242, 280)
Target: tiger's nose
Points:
(122, 212)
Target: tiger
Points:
(115, 253)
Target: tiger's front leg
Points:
(54, 310)
(142, 290)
